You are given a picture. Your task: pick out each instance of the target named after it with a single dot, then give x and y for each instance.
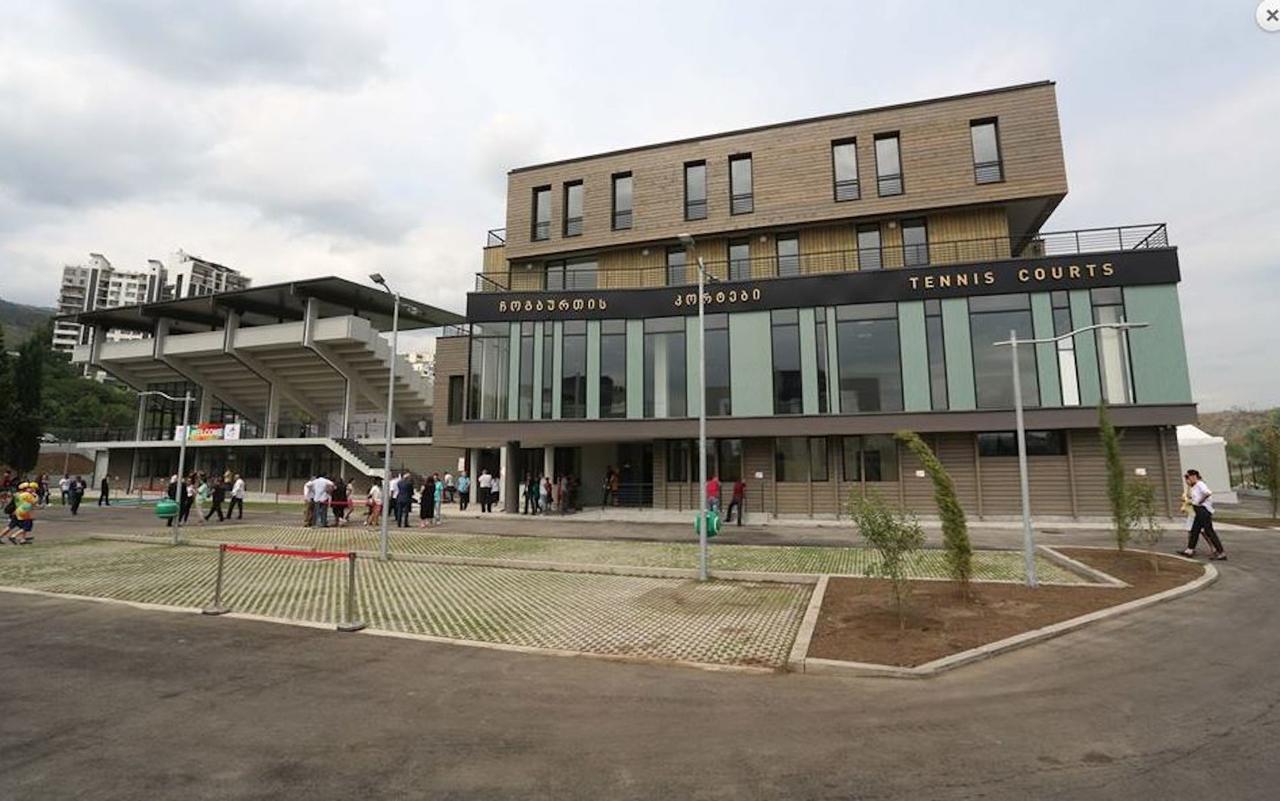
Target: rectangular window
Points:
(1039, 443)
(490, 358)
(719, 398)
(987, 166)
(871, 458)
(622, 201)
(915, 243)
(870, 256)
(573, 274)
(788, 396)
(888, 165)
(548, 369)
(740, 260)
(573, 369)
(991, 318)
(695, 190)
(817, 458)
(665, 376)
(844, 169)
(676, 273)
(741, 197)
(613, 368)
(541, 214)
(456, 389)
(1113, 345)
(573, 209)
(936, 345)
(791, 459)
(727, 454)
(820, 345)
(788, 247)
(869, 358)
(1068, 377)
(680, 456)
(526, 371)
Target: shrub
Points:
(1271, 449)
(1117, 483)
(955, 529)
(895, 536)
(1141, 516)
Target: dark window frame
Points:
(616, 214)
(695, 209)
(878, 250)
(1004, 444)
(572, 226)
(916, 255)
(667, 265)
(774, 325)
(540, 232)
(742, 202)
(733, 263)
(852, 186)
(998, 165)
(778, 257)
(881, 177)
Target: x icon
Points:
(1273, 15)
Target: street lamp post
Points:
(688, 242)
(391, 393)
(182, 449)
(1028, 537)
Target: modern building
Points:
(286, 379)
(863, 267)
(191, 276)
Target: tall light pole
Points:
(1028, 537)
(182, 448)
(391, 395)
(688, 242)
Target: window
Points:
(573, 209)
(622, 201)
(871, 458)
(991, 318)
(788, 247)
(573, 274)
(1113, 345)
(820, 344)
(541, 214)
(665, 377)
(987, 168)
(573, 369)
(844, 169)
(526, 371)
(870, 256)
(680, 457)
(1039, 443)
(613, 368)
(936, 345)
(548, 370)
(868, 356)
(456, 386)
(1068, 377)
(818, 458)
(719, 398)
(740, 192)
(788, 396)
(676, 273)
(490, 357)
(791, 459)
(695, 190)
(728, 459)
(915, 243)
(888, 165)
(740, 260)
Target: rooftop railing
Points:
(1057, 243)
(495, 237)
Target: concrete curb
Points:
(1080, 568)
(834, 667)
(404, 635)
(808, 623)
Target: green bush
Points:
(1117, 481)
(955, 528)
(895, 536)
(1141, 516)
(1271, 449)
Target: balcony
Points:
(1059, 243)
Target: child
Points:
(24, 512)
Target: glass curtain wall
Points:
(613, 368)
(1113, 346)
(718, 361)
(665, 375)
(869, 358)
(991, 318)
(526, 371)
(788, 395)
(573, 370)
(490, 362)
(1068, 377)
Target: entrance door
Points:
(635, 472)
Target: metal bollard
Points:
(351, 624)
(216, 608)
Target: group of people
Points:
(737, 500)
(206, 495)
(546, 495)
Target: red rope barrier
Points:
(287, 552)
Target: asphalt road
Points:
(104, 701)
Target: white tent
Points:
(1208, 454)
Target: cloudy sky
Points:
(291, 139)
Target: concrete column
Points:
(205, 408)
(142, 413)
(272, 427)
(510, 481)
(266, 466)
(549, 460)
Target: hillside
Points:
(1233, 423)
(20, 320)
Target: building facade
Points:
(861, 269)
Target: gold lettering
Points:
(989, 277)
(719, 299)
(1107, 269)
(1022, 275)
(1092, 268)
(928, 284)
(679, 300)
(733, 296)
(755, 294)
(604, 304)
(1056, 272)
(915, 284)
(944, 281)
(962, 279)
(502, 305)
(1074, 271)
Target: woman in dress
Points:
(427, 504)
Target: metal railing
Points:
(695, 209)
(573, 226)
(742, 204)
(1058, 243)
(988, 172)
(495, 237)
(622, 220)
(541, 231)
(887, 185)
(848, 190)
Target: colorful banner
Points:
(204, 432)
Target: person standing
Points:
(309, 502)
(464, 491)
(739, 494)
(218, 494)
(427, 503)
(24, 512)
(237, 498)
(404, 500)
(606, 486)
(544, 495)
(1202, 523)
(373, 500)
(713, 492)
(495, 490)
(439, 500)
(104, 493)
(202, 498)
(448, 487)
(322, 493)
(339, 501)
(485, 483)
(64, 488)
(530, 494)
(77, 494)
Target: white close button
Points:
(1269, 15)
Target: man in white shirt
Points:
(485, 483)
(309, 502)
(1201, 501)
(64, 486)
(321, 492)
(237, 498)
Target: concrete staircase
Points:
(356, 454)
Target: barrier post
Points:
(216, 608)
(349, 618)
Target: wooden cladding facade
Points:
(452, 355)
(792, 179)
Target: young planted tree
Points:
(895, 536)
(955, 529)
(1117, 481)
(1271, 450)
(1141, 516)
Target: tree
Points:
(1271, 450)
(1117, 481)
(895, 536)
(6, 400)
(1141, 516)
(955, 529)
(22, 448)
